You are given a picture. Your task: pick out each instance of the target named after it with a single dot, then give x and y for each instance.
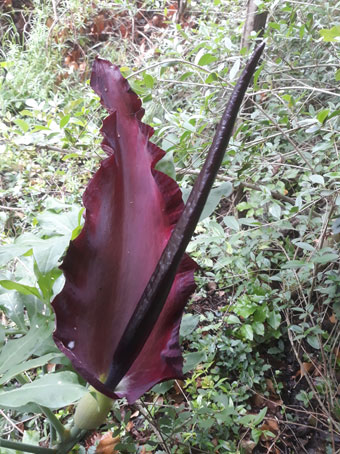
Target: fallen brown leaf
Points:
(107, 444)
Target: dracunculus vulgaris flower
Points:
(127, 275)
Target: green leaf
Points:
(164, 387)
(337, 75)
(27, 365)
(23, 125)
(331, 34)
(211, 78)
(148, 80)
(19, 350)
(2, 335)
(322, 115)
(53, 391)
(313, 341)
(275, 211)
(231, 222)
(232, 319)
(188, 324)
(191, 360)
(21, 288)
(258, 328)
(325, 258)
(317, 179)
(304, 246)
(234, 70)
(247, 332)
(256, 76)
(224, 190)
(294, 264)
(49, 252)
(31, 437)
(60, 223)
(206, 59)
(167, 165)
(11, 304)
(274, 319)
(253, 420)
(64, 121)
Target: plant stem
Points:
(24, 447)
(59, 427)
(75, 435)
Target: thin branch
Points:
(11, 422)
(285, 135)
(3, 207)
(172, 60)
(275, 194)
(157, 432)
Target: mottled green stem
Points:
(24, 447)
(75, 435)
(59, 427)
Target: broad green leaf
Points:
(70, 155)
(148, 80)
(336, 226)
(21, 288)
(244, 309)
(253, 420)
(322, 115)
(211, 78)
(275, 211)
(258, 328)
(325, 258)
(191, 360)
(167, 165)
(188, 324)
(52, 390)
(11, 304)
(232, 319)
(49, 252)
(206, 59)
(23, 125)
(224, 190)
(295, 264)
(20, 246)
(247, 332)
(231, 222)
(164, 387)
(336, 309)
(331, 34)
(18, 350)
(64, 121)
(304, 246)
(27, 365)
(261, 313)
(317, 179)
(234, 70)
(274, 319)
(313, 341)
(59, 223)
(31, 437)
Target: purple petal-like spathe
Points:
(131, 210)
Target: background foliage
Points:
(261, 335)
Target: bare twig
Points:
(275, 194)
(2, 413)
